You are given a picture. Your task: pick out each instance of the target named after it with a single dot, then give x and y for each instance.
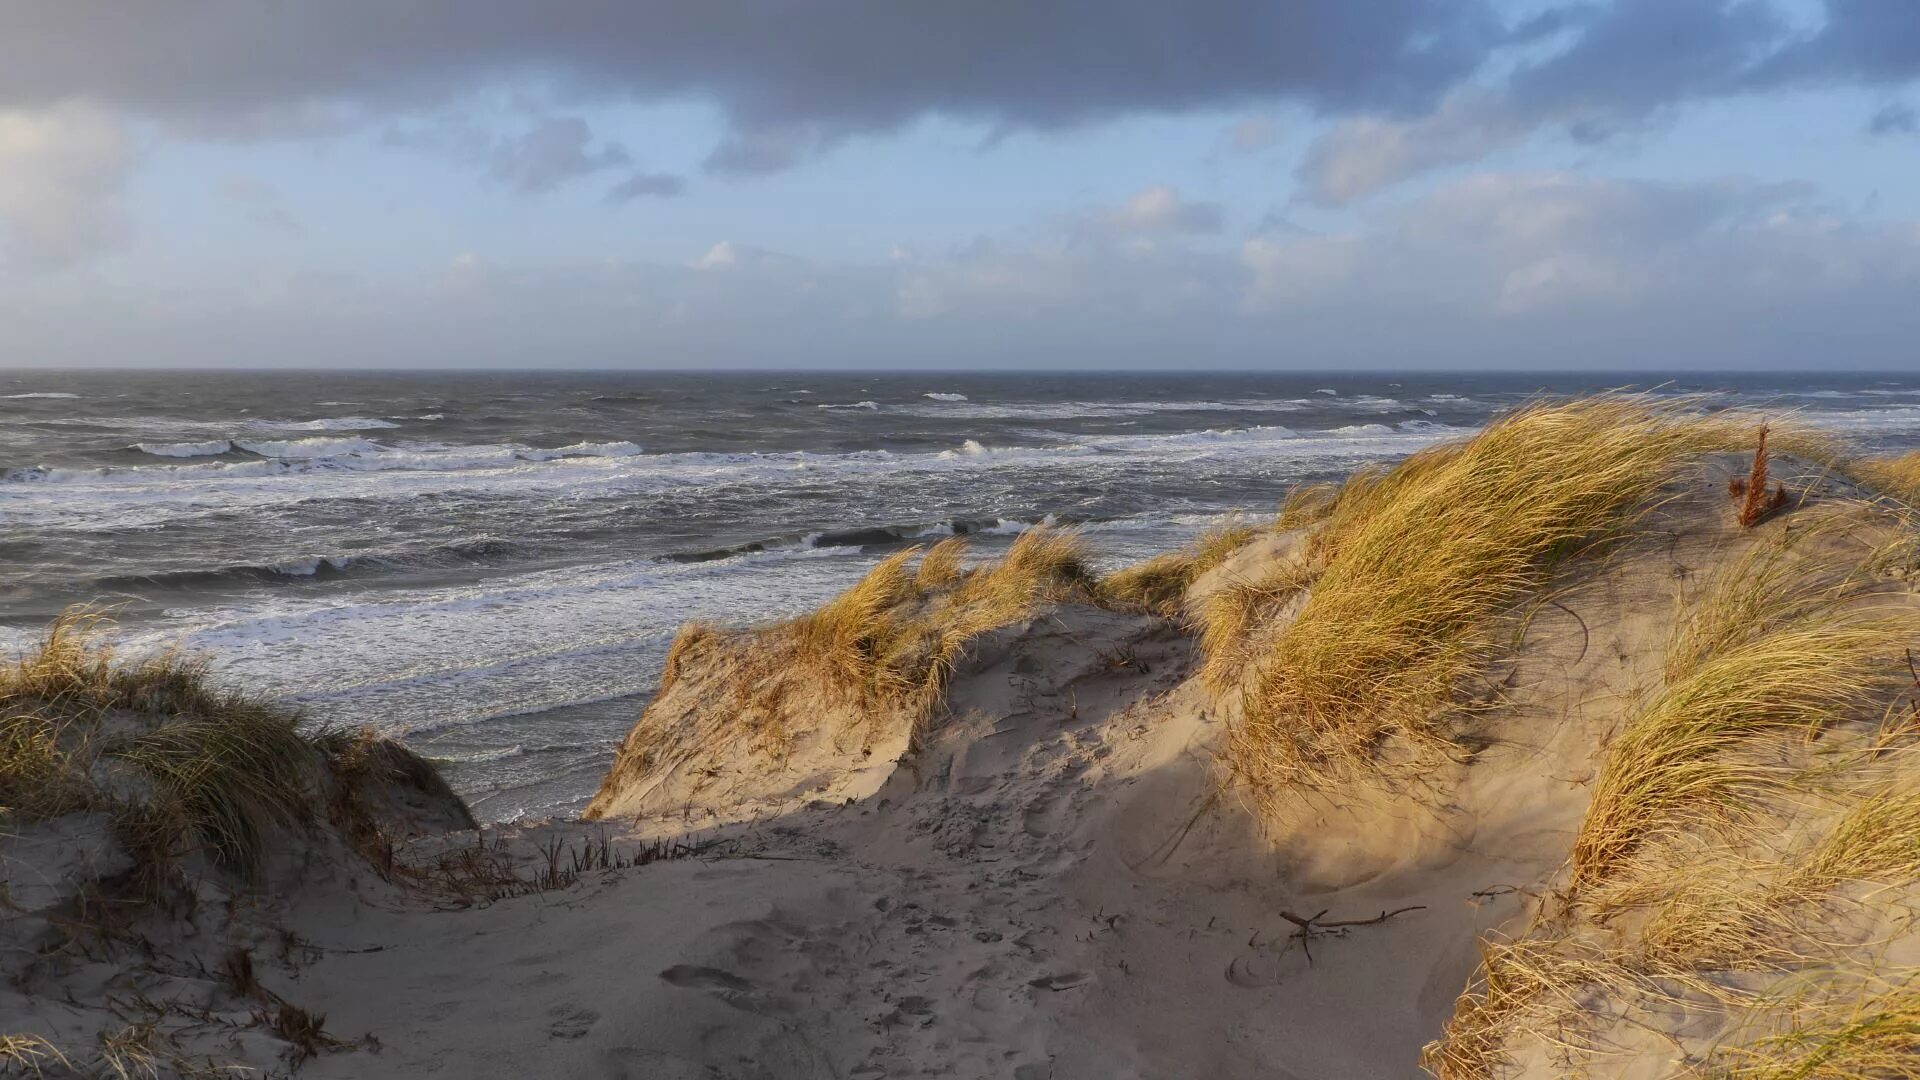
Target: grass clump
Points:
(880, 652)
(1897, 475)
(177, 761)
(1159, 585)
(1417, 563)
(1875, 1036)
(1728, 814)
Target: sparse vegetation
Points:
(876, 656)
(151, 741)
(1415, 565)
(1160, 584)
(178, 763)
(1685, 867)
(1898, 475)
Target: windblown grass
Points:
(878, 654)
(1160, 584)
(1231, 617)
(1898, 475)
(1421, 560)
(1685, 865)
(154, 742)
(1874, 1036)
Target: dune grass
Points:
(1159, 585)
(1897, 475)
(1419, 562)
(151, 741)
(1873, 1036)
(1688, 845)
(1230, 619)
(879, 653)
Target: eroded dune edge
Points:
(1585, 746)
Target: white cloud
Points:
(63, 175)
(1161, 209)
(1361, 155)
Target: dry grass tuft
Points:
(176, 760)
(879, 653)
(1711, 845)
(1231, 617)
(1159, 585)
(1898, 475)
(1875, 1036)
(1422, 560)
(29, 1055)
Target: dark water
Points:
(495, 564)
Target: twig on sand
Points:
(1311, 926)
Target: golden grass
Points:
(29, 1055)
(1159, 585)
(224, 766)
(880, 652)
(1897, 475)
(1873, 1036)
(1421, 560)
(1689, 861)
(1231, 617)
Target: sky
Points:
(1000, 184)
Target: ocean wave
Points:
(1076, 410)
(47, 394)
(945, 397)
(185, 449)
(603, 449)
(872, 406)
(444, 554)
(335, 423)
(315, 447)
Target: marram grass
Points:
(1160, 584)
(1419, 562)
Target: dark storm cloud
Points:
(791, 77)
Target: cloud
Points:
(647, 185)
(553, 150)
(1515, 269)
(1253, 134)
(1159, 209)
(1614, 68)
(257, 201)
(1894, 118)
(790, 79)
(63, 175)
(1506, 244)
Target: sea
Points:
(493, 565)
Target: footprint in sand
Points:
(570, 1021)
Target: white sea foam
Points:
(869, 405)
(41, 394)
(316, 447)
(945, 397)
(333, 423)
(604, 449)
(185, 449)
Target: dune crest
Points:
(1605, 782)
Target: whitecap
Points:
(1329, 393)
(604, 449)
(309, 448)
(46, 394)
(185, 449)
(331, 423)
(873, 405)
(945, 397)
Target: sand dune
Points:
(1052, 868)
